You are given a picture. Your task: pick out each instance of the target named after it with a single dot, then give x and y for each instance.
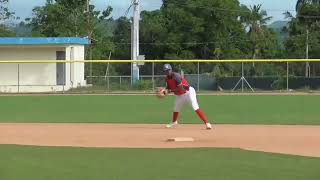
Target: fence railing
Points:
(203, 75)
(207, 82)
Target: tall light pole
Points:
(135, 42)
(89, 34)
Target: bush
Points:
(144, 85)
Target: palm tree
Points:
(255, 19)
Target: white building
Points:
(41, 77)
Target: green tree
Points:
(153, 33)
(122, 39)
(22, 29)
(5, 14)
(5, 32)
(255, 20)
(198, 29)
(301, 3)
(71, 18)
(304, 30)
(67, 18)
(194, 29)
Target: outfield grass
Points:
(39, 163)
(148, 109)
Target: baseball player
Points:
(184, 94)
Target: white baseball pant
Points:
(189, 97)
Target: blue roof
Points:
(43, 41)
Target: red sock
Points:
(202, 116)
(175, 116)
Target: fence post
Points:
(242, 73)
(153, 76)
(198, 84)
(64, 76)
(108, 83)
(18, 78)
(287, 75)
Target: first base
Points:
(181, 139)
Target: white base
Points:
(181, 139)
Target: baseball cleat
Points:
(208, 126)
(172, 124)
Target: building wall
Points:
(39, 77)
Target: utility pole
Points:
(135, 42)
(89, 34)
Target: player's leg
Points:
(180, 100)
(194, 103)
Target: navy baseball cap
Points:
(167, 67)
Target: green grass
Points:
(38, 163)
(148, 109)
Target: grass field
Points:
(148, 109)
(38, 163)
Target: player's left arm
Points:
(180, 87)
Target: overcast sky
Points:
(275, 8)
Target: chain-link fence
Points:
(116, 77)
(217, 77)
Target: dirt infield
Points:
(295, 140)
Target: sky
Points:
(274, 8)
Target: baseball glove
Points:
(161, 92)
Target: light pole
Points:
(135, 42)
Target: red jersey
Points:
(176, 80)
